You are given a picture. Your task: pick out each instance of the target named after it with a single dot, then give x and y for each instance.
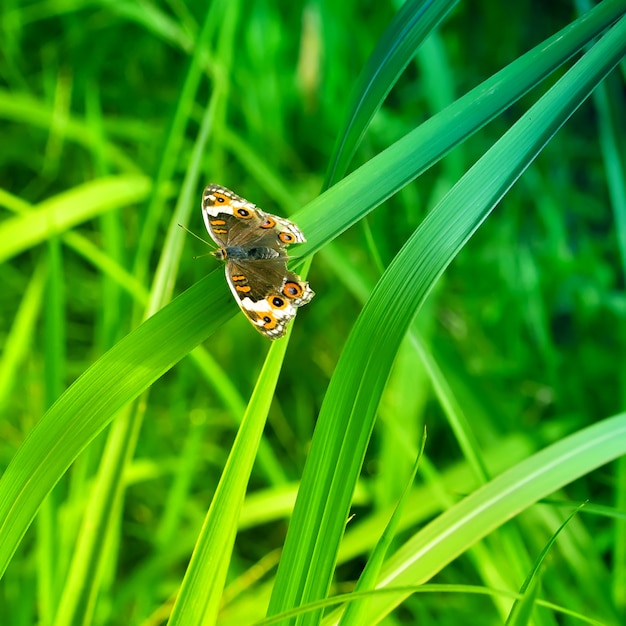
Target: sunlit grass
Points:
(114, 117)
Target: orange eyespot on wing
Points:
(269, 321)
(220, 197)
(292, 289)
(276, 302)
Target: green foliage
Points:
(142, 487)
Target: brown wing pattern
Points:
(233, 221)
(255, 279)
(253, 244)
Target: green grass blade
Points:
(23, 108)
(91, 402)
(200, 596)
(458, 420)
(360, 192)
(397, 46)
(521, 339)
(81, 589)
(89, 251)
(493, 504)
(522, 607)
(611, 104)
(155, 20)
(139, 359)
(349, 408)
(97, 532)
(357, 612)
(83, 580)
(55, 333)
(17, 341)
(180, 120)
(69, 208)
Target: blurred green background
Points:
(527, 324)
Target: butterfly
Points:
(254, 246)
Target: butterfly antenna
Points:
(208, 243)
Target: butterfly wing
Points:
(267, 293)
(227, 215)
(233, 221)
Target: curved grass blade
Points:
(357, 612)
(17, 342)
(397, 46)
(83, 580)
(91, 402)
(200, 596)
(360, 192)
(522, 607)
(61, 212)
(347, 414)
(25, 109)
(140, 358)
(498, 501)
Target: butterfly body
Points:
(242, 253)
(253, 245)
